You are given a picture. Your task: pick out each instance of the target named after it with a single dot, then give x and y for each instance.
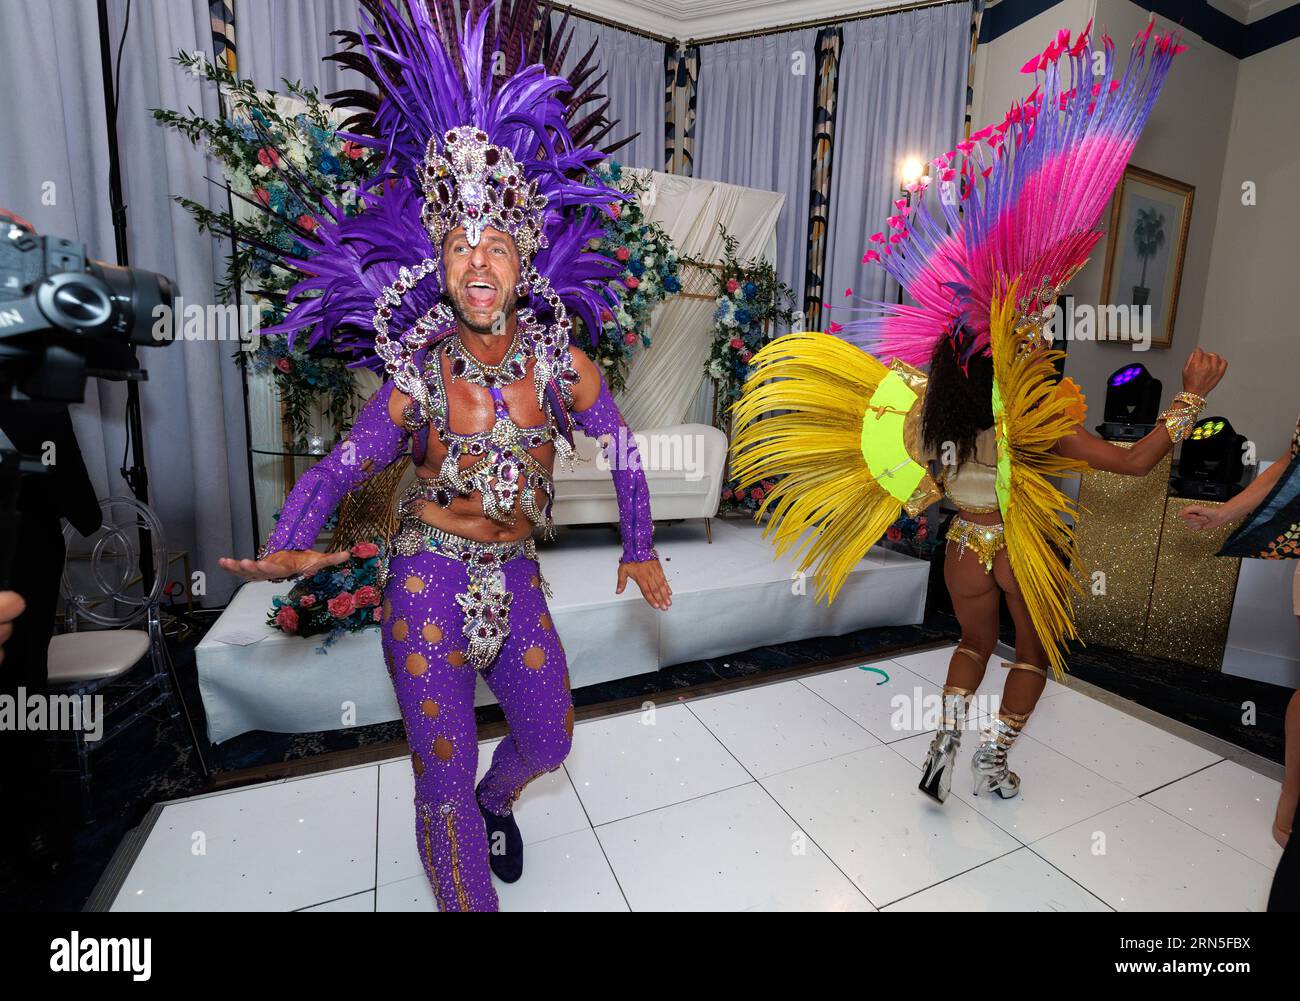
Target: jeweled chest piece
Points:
(465, 366)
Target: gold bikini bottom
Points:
(986, 541)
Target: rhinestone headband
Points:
(474, 184)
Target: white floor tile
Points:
(865, 812)
(1020, 881)
(276, 847)
(568, 873)
(1136, 857)
(734, 850)
(889, 710)
(1055, 791)
(773, 728)
(358, 903)
(1229, 802)
(626, 765)
(1122, 748)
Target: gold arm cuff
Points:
(1179, 421)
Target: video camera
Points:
(65, 317)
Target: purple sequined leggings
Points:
(425, 650)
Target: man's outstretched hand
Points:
(284, 564)
(649, 577)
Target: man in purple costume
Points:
(484, 388)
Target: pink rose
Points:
(364, 550)
(262, 195)
(342, 605)
(737, 343)
(629, 337)
(352, 151)
(606, 316)
(757, 493)
(726, 494)
(732, 284)
(379, 614)
(631, 282)
(893, 533)
(365, 596)
(615, 211)
(284, 365)
(740, 495)
(307, 600)
(287, 619)
(746, 355)
(622, 253)
(307, 222)
(268, 157)
(922, 532)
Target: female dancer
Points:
(854, 440)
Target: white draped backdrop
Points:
(666, 383)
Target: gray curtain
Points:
(902, 86)
(54, 171)
(753, 127)
(634, 83)
(289, 39)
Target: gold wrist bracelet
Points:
(1179, 421)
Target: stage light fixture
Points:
(1132, 403)
(1210, 464)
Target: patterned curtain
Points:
(222, 13)
(681, 70)
(829, 43)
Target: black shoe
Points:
(505, 845)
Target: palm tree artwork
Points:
(1148, 238)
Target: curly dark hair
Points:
(958, 404)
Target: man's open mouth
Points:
(480, 294)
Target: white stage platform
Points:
(696, 813)
(729, 596)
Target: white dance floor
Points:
(796, 795)
(729, 596)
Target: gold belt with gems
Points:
(985, 541)
(486, 601)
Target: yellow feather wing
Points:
(1032, 412)
(818, 412)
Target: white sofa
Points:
(683, 467)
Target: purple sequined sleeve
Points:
(634, 522)
(373, 444)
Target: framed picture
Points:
(1149, 218)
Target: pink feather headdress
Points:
(1017, 201)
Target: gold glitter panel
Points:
(1118, 533)
(1192, 600)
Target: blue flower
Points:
(636, 267)
(742, 317)
(671, 284)
(751, 290)
(329, 164)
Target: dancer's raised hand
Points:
(1203, 371)
(284, 564)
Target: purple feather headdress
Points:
(1017, 201)
(456, 145)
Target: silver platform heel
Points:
(936, 774)
(989, 762)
